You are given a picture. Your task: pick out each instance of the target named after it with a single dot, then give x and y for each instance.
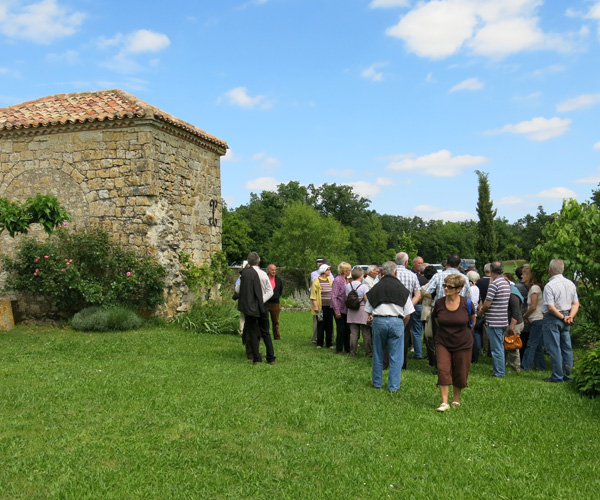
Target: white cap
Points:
(323, 268)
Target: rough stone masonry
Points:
(149, 179)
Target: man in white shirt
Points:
(389, 305)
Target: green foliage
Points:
(45, 210)
(213, 316)
(235, 239)
(529, 230)
(305, 235)
(487, 242)
(586, 373)
(574, 237)
(202, 279)
(585, 333)
(77, 269)
(298, 298)
(98, 319)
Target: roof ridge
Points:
(90, 106)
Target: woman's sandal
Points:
(443, 407)
(455, 404)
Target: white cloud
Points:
(70, 57)
(385, 181)
(594, 13)
(441, 28)
(592, 178)
(371, 72)
(429, 212)
(334, 172)
(9, 72)
(239, 97)
(436, 29)
(468, 84)
(364, 188)
(146, 41)
(41, 22)
(537, 129)
(533, 199)
(270, 162)
(130, 45)
(439, 164)
(386, 4)
(230, 156)
(529, 97)
(579, 102)
(553, 69)
(597, 145)
(263, 184)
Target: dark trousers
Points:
(255, 330)
(342, 337)
(325, 327)
(477, 339)
(274, 313)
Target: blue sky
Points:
(401, 99)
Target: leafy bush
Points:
(298, 298)
(78, 269)
(213, 316)
(584, 333)
(97, 319)
(45, 210)
(202, 279)
(586, 373)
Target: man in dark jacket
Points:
(254, 291)
(273, 302)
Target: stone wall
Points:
(152, 186)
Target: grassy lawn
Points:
(163, 413)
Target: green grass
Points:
(164, 413)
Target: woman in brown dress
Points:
(453, 340)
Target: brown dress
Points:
(452, 327)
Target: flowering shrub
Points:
(77, 269)
(213, 316)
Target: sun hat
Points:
(323, 268)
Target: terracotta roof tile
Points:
(80, 107)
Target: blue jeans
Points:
(534, 353)
(496, 336)
(388, 333)
(416, 329)
(557, 339)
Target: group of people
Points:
(456, 314)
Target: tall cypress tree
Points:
(487, 241)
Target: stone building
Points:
(151, 180)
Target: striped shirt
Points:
(408, 279)
(436, 284)
(325, 292)
(560, 293)
(499, 293)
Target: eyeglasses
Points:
(451, 287)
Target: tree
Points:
(596, 196)
(236, 241)
(305, 235)
(574, 237)
(529, 230)
(487, 242)
(340, 201)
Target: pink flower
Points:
(65, 223)
(35, 274)
(64, 271)
(45, 256)
(36, 270)
(37, 258)
(128, 273)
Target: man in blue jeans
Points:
(560, 306)
(495, 308)
(389, 305)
